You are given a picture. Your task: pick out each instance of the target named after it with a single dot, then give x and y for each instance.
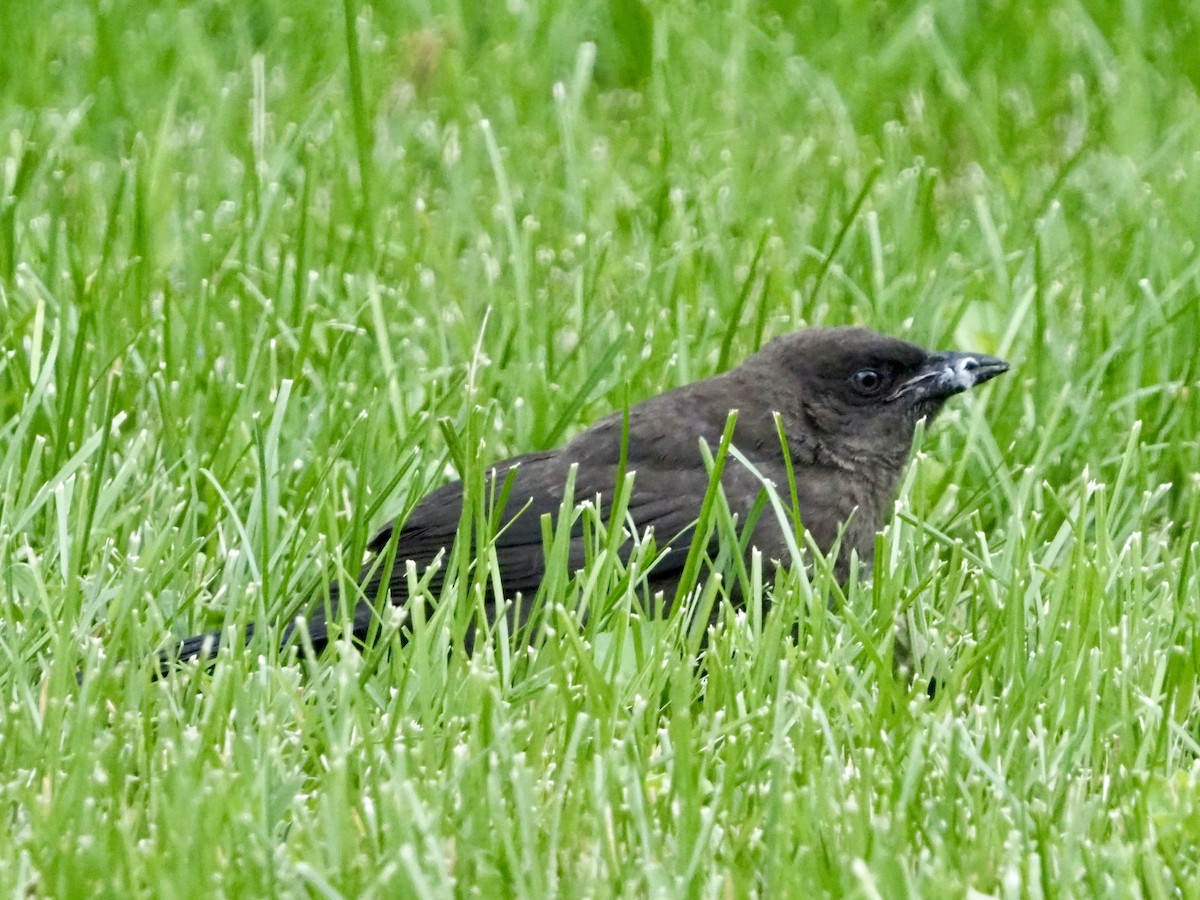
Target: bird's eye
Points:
(867, 381)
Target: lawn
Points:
(271, 272)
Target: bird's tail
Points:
(204, 647)
(198, 646)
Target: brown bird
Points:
(848, 399)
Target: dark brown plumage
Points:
(849, 401)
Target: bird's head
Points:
(863, 392)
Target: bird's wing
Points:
(663, 499)
(670, 480)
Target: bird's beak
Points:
(951, 372)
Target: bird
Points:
(846, 399)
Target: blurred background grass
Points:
(250, 255)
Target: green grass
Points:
(266, 280)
